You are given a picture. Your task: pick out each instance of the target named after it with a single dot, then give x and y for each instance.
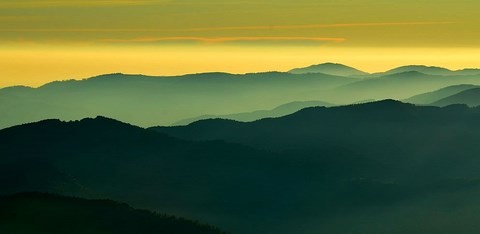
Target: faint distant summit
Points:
(337, 69)
(430, 70)
(329, 69)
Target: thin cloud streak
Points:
(37, 4)
(18, 18)
(215, 40)
(316, 26)
(261, 27)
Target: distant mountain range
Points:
(343, 70)
(399, 86)
(334, 69)
(308, 172)
(435, 71)
(31, 213)
(148, 101)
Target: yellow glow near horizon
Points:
(37, 65)
(46, 40)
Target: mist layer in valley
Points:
(150, 101)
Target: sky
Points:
(46, 40)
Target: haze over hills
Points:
(319, 170)
(343, 70)
(434, 96)
(429, 70)
(47, 213)
(239, 116)
(334, 69)
(470, 97)
(279, 111)
(398, 86)
(149, 101)
(435, 71)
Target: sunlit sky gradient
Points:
(47, 40)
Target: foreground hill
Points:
(388, 131)
(378, 167)
(434, 96)
(214, 182)
(35, 213)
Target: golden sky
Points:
(47, 40)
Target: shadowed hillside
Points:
(35, 213)
(214, 182)
(319, 170)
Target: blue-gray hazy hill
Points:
(470, 97)
(397, 86)
(148, 101)
(434, 96)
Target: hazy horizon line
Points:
(233, 73)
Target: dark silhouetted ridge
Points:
(386, 161)
(47, 213)
(386, 105)
(102, 157)
(310, 126)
